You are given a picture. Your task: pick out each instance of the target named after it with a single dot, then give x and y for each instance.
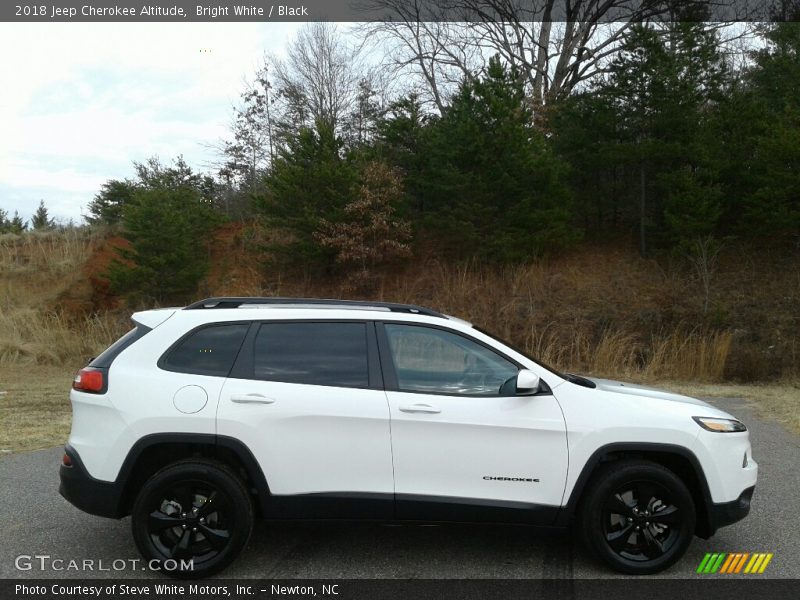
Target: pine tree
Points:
(310, 183)
(168, 230)
(492, 185)
(771, 201)
(662, 87)
(108, 204)
(41, 219)
(167, 218)
(17, 224)
(400, 139)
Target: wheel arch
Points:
(153, 452)
(678, 459)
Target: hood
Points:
(619, 387)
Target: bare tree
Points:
(417, 38)
(251, 149)
(322, 80)
(554, 45)
(319, 79)
(702, 254)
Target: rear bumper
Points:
(720, 515)
(96, 497)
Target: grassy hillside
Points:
(599, 310)
(595, 310)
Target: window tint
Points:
(312, 353)
(208, 351)
(437, 361)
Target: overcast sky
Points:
(80, 101)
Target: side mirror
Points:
(527, 382)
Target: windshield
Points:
(571, 377)
(566, 376)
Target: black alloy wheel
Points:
(192, 518)
(637, 516)
(641, 521)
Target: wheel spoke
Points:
(669, 515)
(216, 537)
(618, 539)
(209, 506)
(158, 521)
(619, 507)
(653, 548)
(181, 549)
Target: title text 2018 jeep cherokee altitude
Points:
(200, 418)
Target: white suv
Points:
(202, 418)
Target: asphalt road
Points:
(35, 520)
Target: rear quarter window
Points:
(210, 350)
(104, 360)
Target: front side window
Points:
(207, 351)
(333, 354)
(436, 361)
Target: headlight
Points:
(720, 425)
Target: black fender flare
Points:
(235, 446)
(705, 521)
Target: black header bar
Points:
(393, 10)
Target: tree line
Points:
(665, 137)
(40, 221)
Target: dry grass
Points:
(775, 401)
(56, 251)
(596, 311)
(576, 316)
(36, 268)
(31, 336)
(34, 410)
(607, 313)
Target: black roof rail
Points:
(236, 302)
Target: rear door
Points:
(307, 398)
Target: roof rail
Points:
(236, 302)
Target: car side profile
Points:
(202, 419)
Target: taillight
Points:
(66, 460)
(89, 380)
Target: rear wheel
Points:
(192, 518)
(637, 516)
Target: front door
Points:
(461, 450)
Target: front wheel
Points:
(192, 518)
(638, 517)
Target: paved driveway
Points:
(34, 519)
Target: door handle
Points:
(420, 408)
(252, 399)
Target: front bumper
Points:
(720, 515)
(96, 497)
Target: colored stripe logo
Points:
(734, 562)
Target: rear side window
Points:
(207, 351)
(104, 360)
(332, 354)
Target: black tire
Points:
(637, 516)
(194, 509)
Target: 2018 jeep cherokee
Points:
(201, 418)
